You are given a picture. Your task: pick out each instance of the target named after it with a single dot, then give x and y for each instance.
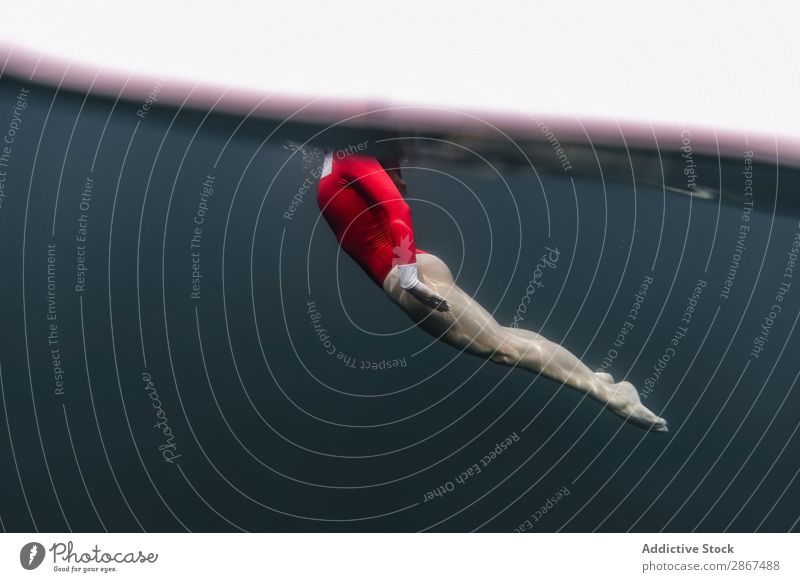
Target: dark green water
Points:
(108, 342)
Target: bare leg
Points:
(536, 337)
(471, 328)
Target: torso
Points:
(360, 225)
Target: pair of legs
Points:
(469, 327)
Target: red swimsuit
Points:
(366, 212)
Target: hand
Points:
(427, 296)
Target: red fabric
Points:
(368, 215)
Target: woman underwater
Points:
(361, 198)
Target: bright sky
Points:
(720, 64)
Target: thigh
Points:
(433, 271)
(467, 326)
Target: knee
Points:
(505, 356)
(513, 352)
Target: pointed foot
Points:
(627, 404)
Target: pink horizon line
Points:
(46, 69)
